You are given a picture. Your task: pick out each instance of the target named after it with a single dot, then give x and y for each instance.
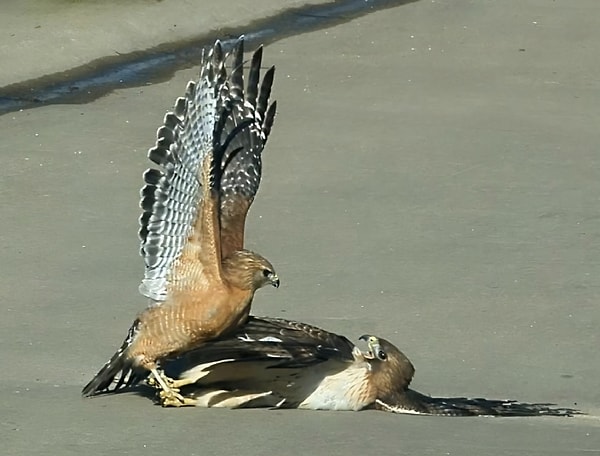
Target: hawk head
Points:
(249, 271)
(391, 370)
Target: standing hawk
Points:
(278, 363)
(198, 276)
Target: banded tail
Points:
(118, 372)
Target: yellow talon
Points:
(175, 400)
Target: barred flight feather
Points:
(243, 170)
(217, 117)
(171, 196)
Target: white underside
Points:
(327, 386)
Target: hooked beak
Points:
(372, 344)
(274, 280)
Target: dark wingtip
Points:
(463, 406)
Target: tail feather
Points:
(118, 372)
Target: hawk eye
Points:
(381, 355)
(266, 273)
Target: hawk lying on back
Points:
(278, 363)
(198, 276)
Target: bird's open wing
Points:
(199, 147)
(415, 402)
(242, 158)
(281, 343)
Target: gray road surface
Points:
(432, 178)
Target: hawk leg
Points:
(180, 401)
(177, 384)
(173, 385)
(169, 392)
(169, 395)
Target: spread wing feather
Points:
(242, 158)
(171, 196)
(215, 116)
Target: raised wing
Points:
(242, 158)
(208, 149)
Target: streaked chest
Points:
(349, 389)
